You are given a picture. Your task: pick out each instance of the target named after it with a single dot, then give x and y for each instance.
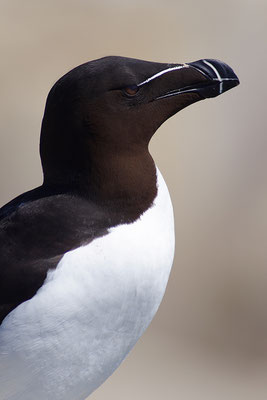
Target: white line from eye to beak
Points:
(220, 79)
(165, 71)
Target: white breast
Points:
(91, 310)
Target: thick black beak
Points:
(220, 77)
(216, 78)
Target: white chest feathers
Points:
(91, 310)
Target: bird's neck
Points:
(123, 184)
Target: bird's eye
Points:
(131, 90)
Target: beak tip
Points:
(216, 71)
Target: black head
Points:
(101, 115)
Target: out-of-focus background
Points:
(209, 338)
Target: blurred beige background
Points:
(209, 338)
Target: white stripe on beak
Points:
(220, 79)
(165, 71)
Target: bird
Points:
(85, 257)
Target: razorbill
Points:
(85, 257)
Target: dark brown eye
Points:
(131, 90)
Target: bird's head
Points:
(110, 108)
